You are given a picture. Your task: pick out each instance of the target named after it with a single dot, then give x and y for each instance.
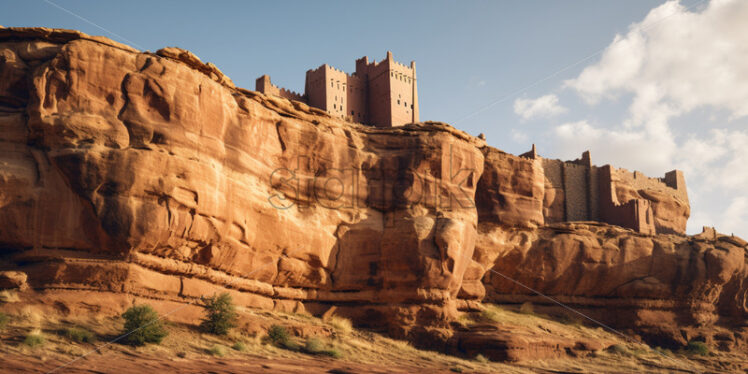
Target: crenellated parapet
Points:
(383, 94)
(263, 84)
(580, 191)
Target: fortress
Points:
(579, 191)
(382, 94)
(385, 94)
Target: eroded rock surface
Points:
(152, 174)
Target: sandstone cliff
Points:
(152, 174)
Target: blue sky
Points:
(569, 76)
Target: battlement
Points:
(263, 84)
(382, 94)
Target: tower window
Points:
(398, 101)
(334, 106)
(332, 84)
(406, 104)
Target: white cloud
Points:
(735, 216)
(520, 136)
(677, 59)
(543, 107)
(671, 63)
(649, 153)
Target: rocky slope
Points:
(151, 174)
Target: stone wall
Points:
(579, 191)
(554, 207)
(383, 94)
(263, 84)
(576, 191)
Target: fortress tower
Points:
(382, 94)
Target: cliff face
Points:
(151, 174)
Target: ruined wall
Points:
(554, 207)
(578, 191)
(667, 196)
(263, 84)
(593, 195)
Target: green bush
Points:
(239, 346)
(697, 348)
(80, 335)
(218, 351)
(4, 320)
(316, 346)
(220, 314)
(34, 339)
(280, 337)
(143, 326)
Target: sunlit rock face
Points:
(151, 174)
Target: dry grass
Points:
(343, 341)
(341, 324)
(8, 296)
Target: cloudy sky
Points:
(643, 84)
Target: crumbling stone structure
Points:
(383, 94)
(579, 191)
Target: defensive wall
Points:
(579, 191)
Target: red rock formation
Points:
(151, 174)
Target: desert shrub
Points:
(239, 346)
(80, 335)
(217, 350)
(220, 314)
(279, 336)
(569, 319)
(489, 315)
(341, 324)
(34, 339)
(482, 359)
(697, 348)
(332, 352)
(618, 349)
(4, 320)
(314, 345)
(527, 308)
(143, 325)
